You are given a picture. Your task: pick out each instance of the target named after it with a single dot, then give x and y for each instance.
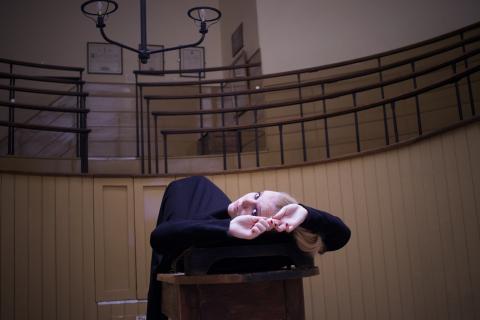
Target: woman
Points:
(194, 211)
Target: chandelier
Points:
(99, 11)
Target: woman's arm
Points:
(334, 233)
(174, 236)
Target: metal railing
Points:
(199, 84)
(392, 102)
(300, 100)
(12, 104)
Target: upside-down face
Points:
(262, 204)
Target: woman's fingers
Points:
(279, 215)
(255, 230)
(264, 223)
(281, 227)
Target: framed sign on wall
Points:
(192, 58)
(104, 58)
(156, 62)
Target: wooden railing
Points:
(59, 75)
(463, 58)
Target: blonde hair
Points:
(307, 241)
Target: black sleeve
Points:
(334, 233)
(172, 237)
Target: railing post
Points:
(224, 149)
(457, 95)
(417, 102)
(394, 118)
(247, 73)
(280, 132)
(224, 143)
(257, 151)
(84, 152)
(11, 114)
(239, 133)
(325, 123)
(83, 161)
(304, 148)
(239, 149)
(78, 120)
(156, 143)
(149, 156)
(165, 155)
(142, 139)
(357, 129)
(469, 82)
(201, 100)
(200, 91)
(137, 133)
(83, 136)
(384, 109)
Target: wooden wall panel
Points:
(48, 271)
(114, 239)
(7, 246)
(460, 253)
(308, 196)
(412, 233)
(389, 234)
(340, 260)
(21, 248)
(361, 241)
(317, 284)
(231, 186)
(75, 248)
(88, 250)
(472, 137)
(34, 237)
(376, 233)
(470, 213)
(402, 248)
(148, 197)
(62, 254)
(70, 242)
(352, 252)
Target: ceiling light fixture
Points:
(99, 12)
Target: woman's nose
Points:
(246, 203)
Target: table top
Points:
(182, 279)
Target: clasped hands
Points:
(285, 220)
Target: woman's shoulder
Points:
(192, 180)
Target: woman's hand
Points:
(248, 227)
(289, 217)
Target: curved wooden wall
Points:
(77, 247)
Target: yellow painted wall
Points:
(70, 244)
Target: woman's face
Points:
(255, 203)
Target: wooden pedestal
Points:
(263, 295)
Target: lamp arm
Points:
(116, 43)
(179, 47)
